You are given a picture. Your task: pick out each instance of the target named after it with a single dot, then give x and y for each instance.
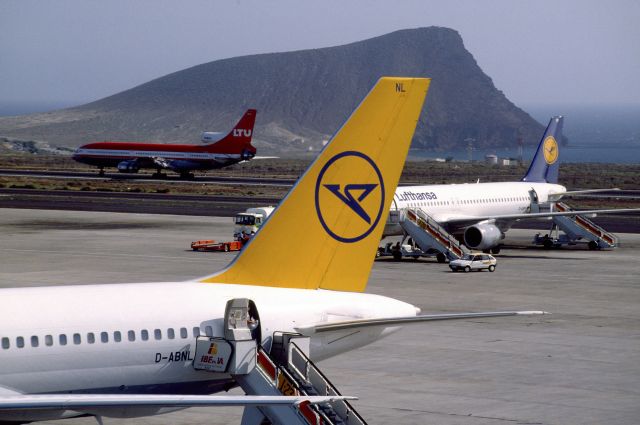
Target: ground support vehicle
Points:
(246, 224)
(575, 229)
(405, 248)
(249, 222)
(211, 245)
(431, 238)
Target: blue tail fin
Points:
(545, 164)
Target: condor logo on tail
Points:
(365, 199)
(347, 197)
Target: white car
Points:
(474, 262)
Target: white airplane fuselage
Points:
(463, 202)
(95, 323)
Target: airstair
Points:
(286, 371)
(428, 234)
(576, 228)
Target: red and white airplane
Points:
(129, 157)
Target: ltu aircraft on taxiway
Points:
(59, 341)
(129, 157)
(481, 213)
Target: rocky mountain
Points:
(302, 97)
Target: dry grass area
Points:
(574, 176)
(133, 186)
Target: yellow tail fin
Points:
(325, 232)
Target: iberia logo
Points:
(349, 210)
(213, 349)
(550, 150)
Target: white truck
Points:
(247, 223)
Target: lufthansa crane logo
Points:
(349, 210)
(550, 150)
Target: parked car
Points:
(474, 262)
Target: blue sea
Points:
(8, 109)
(596, 134)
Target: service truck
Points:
(249, 222)
(246, 224)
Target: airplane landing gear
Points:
(187, 175)
(101, 172)
(159, 174)
(495, 250)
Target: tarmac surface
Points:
(578, 365)
(147, 177)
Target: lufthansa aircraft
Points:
(481, 213)
(77, 350)
(129, 157)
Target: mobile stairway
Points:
(428, 234)
(575, 228)
(286, 371)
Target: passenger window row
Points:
(469, 201)
(495, 200)
(104, 337)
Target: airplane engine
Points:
(211, 136)
(482, 236)
(129, 166)
(183, 165)
(247, 155)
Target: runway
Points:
(578, 365)
(131, 202)
(144, 177)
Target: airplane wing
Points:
(461, 220)
(409, 320)
(558, 196)
(86, 402)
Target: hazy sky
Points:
(536, 51)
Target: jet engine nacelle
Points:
(183, 165)
(247, 155)
(129, 166)
(211, 136)
(482, 236)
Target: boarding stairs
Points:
(290, 352)
(286, 371)
(576, 228)
(428, 234)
